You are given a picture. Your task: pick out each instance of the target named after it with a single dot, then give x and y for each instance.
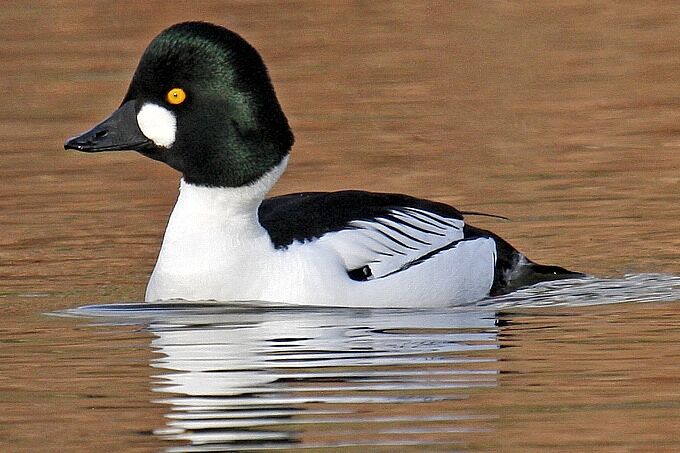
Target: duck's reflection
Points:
(241, 377)
(253, 376)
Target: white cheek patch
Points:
(158, 124)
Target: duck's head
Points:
(202, 102)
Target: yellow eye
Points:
(176, 96)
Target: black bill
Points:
(119, 131)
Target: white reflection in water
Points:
(245, 376)
(255, 376)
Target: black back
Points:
(309, 215)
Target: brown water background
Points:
(563, 116)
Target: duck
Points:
(201, 101)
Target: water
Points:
(243, 375)
(233, 377)
(561, 117)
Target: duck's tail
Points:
(514, 270)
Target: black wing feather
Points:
(310, 215)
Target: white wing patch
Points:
(387, 243)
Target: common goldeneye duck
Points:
(202, 102)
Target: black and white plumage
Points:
(376, 235)
(381, 234)
(202, 102)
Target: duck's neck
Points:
(231, 211)
(212, 235)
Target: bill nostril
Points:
(100, 134)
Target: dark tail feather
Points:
(527, 273)
(514, 270)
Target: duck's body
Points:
(221, 126)
(292, 250)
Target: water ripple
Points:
(242, 376)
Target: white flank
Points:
(215, 249)
(158, 124)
